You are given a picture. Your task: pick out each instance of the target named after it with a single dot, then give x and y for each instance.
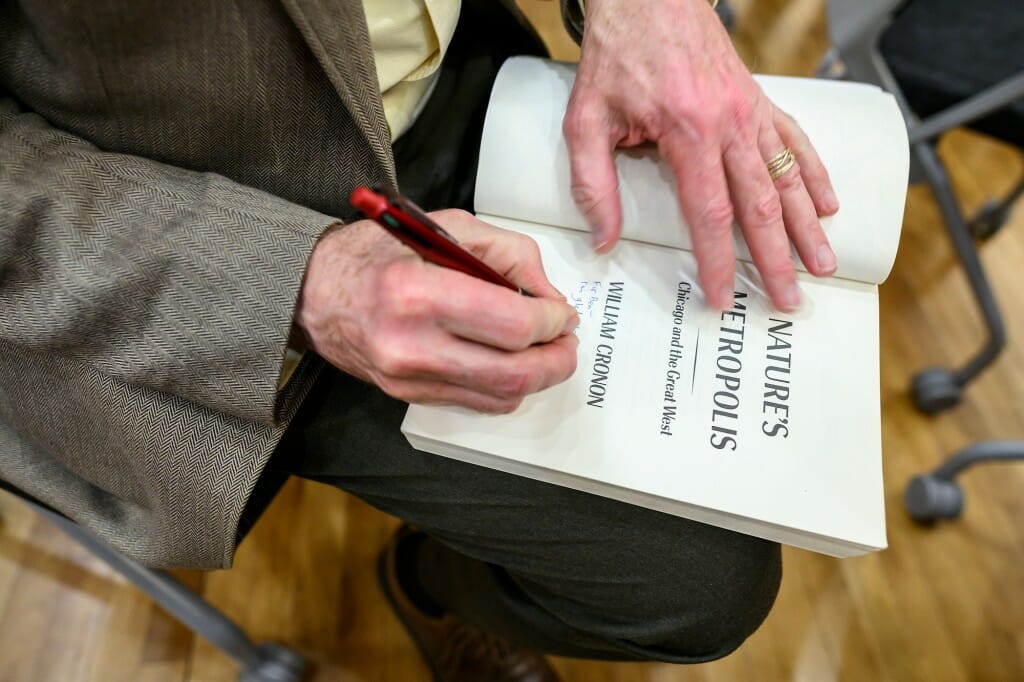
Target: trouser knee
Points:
(685, 607)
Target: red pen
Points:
(414, 228)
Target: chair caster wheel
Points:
(929, 499)
(276, 663)
(935, 389)
(989, 220)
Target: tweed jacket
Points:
(165, 169)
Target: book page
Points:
(857, 130)
(755, 421)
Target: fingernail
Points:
(826, 259)
(791, 298)
(725, 299)
(599, 237)
(571, 323)
(831, 202)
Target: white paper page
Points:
(822, 479)
(857, 130)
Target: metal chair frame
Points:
(855, 29)
(266, 662)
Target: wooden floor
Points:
(940, 604)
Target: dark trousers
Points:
(553, 569)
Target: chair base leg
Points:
(258, 663)
(936, 495)
(936, 389)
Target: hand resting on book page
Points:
(665, 71)
(426, 334)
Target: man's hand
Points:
(425, 334)
(665, 71)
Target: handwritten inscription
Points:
(584, 298)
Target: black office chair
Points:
(266, 662)
(949, 63)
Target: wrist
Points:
(298, 336)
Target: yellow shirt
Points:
(409, 39)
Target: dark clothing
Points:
(165, 169)
(553, 569)
(548, 567)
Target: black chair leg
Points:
(259, 663)
(937, 388)
(936, 495)
(994, 213)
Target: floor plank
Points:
(945, 603)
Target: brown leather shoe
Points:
(456, 651)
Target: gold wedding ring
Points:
(780, 163)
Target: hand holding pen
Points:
(430, 334)
(410, 225)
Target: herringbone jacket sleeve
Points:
(175, 280)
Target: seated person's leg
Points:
(547, 567)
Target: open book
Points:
(752, 420)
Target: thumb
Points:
(595, 182)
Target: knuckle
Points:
(696, 125)
(585, 195)
(394, 360)
(651, 123)
(507, 406)
(452, 217)
(583, 114)
(765, 210)
(519, 333)
(516, 384)
(804, 229)
(396, 389)
(526, 248)
(530, 248)
(684, 105)
(740, 110)
(399, 294)
(744, 134)
(717, 216)
(583, 191)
